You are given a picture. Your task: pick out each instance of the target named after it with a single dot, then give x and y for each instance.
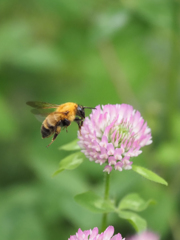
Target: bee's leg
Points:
(57, 131)
(80, 125)
(65, 123)
(79, 122)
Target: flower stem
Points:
(106, 197)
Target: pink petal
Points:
(111, 160)
(108, 233)
(107, 169)
(93, 233)
(117, 237)
(110, 149)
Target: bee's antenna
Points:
(89, 107)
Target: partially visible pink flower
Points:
(113, 134)
(144, 236)
(93, 235)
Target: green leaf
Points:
(94, 203)
(134, 202)
(149, 175)
(70, 162)
(137, 222)
(70, 146)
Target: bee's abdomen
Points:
(47, 131)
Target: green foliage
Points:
(94, 203)
(138, 222)
(70, 162)
(90, 52)
(134, 202)
(70, 146)
(149, 174)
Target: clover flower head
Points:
(113, 134)
(93, 235)
(147, 235)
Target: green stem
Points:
(106, 197)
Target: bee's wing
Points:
(41, 105)
(41, 114)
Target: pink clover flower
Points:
(93, 235)
(147, 235)
(113, 134)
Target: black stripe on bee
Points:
(46, 132)
(65, 122)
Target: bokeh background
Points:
(90, 52)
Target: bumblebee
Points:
(62, 117)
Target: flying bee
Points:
(62, 117)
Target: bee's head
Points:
(80, 111)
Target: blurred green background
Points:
(90, 52)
